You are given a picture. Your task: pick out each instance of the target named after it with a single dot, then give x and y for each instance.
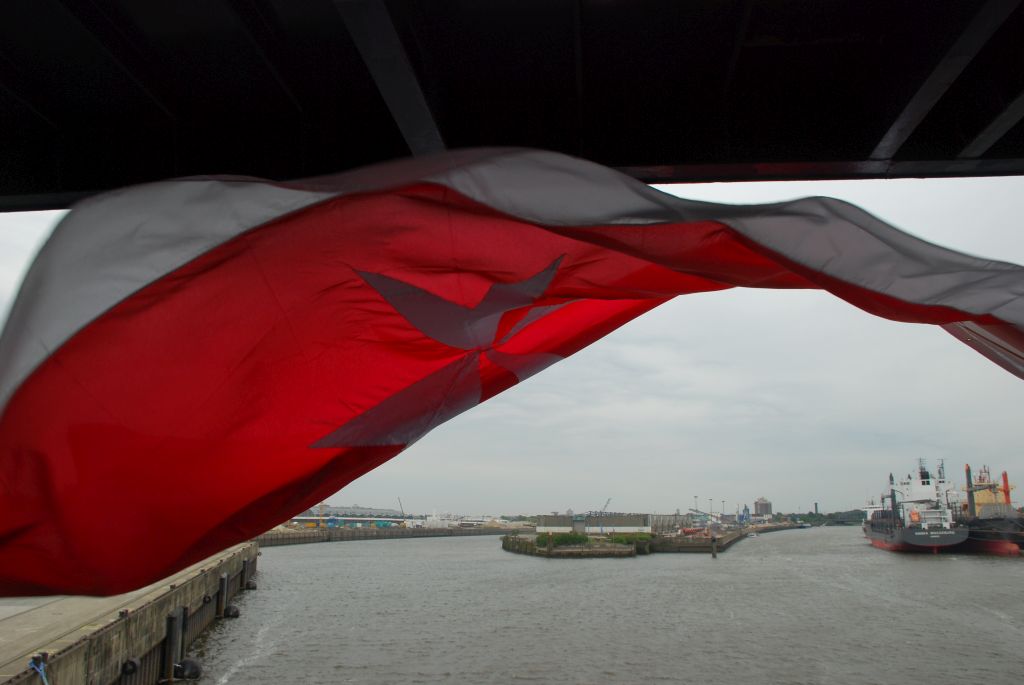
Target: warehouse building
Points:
(595, 523)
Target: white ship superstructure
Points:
(916, 513)
(927, 497)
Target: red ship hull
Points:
(999, 547)
(899, 547)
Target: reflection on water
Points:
(801, 606)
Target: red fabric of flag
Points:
(198, 402)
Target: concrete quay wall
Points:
(658, 544)
(518, 545)
(149, 637)
(663, 544)
(273, 539)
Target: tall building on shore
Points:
(762, 507)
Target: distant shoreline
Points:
(301, 537)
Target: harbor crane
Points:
(601, 514)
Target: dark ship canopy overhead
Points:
(97, 94)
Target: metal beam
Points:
(996, 129)
(38, 202)
(120, 43)
(742, 29)
(264, 35)
(690, 173)
(370, 26)
(834, 170)
(577, 52)
(6, 71)
(985, 23)
(109, 37)
(259, 32)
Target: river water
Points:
(800, 606)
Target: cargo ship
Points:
(916, 516)
(994, 526)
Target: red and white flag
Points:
(189, 363)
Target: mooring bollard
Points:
(222, 594)
(172, 642)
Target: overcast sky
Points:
(791, 395)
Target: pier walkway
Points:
(76, 631)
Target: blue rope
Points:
(39, 667)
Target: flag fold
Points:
(189, 363)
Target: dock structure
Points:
(658, 544)
(299, 537)
(708, 545)
(526, 545)
(699, 545)
(135, 638)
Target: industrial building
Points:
(356, 510)
(762, 507)
(670, 523)
(595, 523)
